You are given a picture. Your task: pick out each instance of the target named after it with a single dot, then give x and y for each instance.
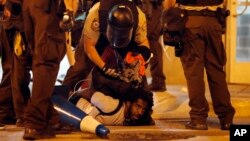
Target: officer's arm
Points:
(141, 36)
(71, 5)
(90, 50)
(169, 3)
(225, 3)
(144, 43)
(141, 31)
(91, 34)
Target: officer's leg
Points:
(192, 60)
(156, 66)
(20, 85)
(7, 115)
(216, 59)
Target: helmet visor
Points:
(119, 37)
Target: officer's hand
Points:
(110, 71)
(67, 22)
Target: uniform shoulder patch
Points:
(95, 25)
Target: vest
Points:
(105, 7)
(199, 2)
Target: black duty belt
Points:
(201, 13)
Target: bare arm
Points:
(90, 35)
(90, 50)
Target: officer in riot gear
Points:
(120, 20)
(203, 49)
(119, 37)
(97, 28)
(107, 24)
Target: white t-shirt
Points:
(106, 104)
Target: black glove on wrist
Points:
(110, 71)
(67, 22)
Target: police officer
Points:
(153, 10)
(203, 49)
(7, 114)
(92, 31)
(41, 24)
(120, 43)
(94, 41)
(16, 75)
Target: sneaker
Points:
(33, 134)
(196, 126)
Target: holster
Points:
(174, 20)
(221, 15)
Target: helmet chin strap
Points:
(119, 60)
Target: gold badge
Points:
(95, 25)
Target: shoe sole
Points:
(195, 128)
(2, 127)
(39, 137)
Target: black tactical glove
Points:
(67, 22)
(110, 71)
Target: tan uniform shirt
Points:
(92, 26)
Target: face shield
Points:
(120, 26)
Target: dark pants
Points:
(48, 44)
(154, 29)
(14, 88)
(203, 49)
(20, 81)
(6, 100)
